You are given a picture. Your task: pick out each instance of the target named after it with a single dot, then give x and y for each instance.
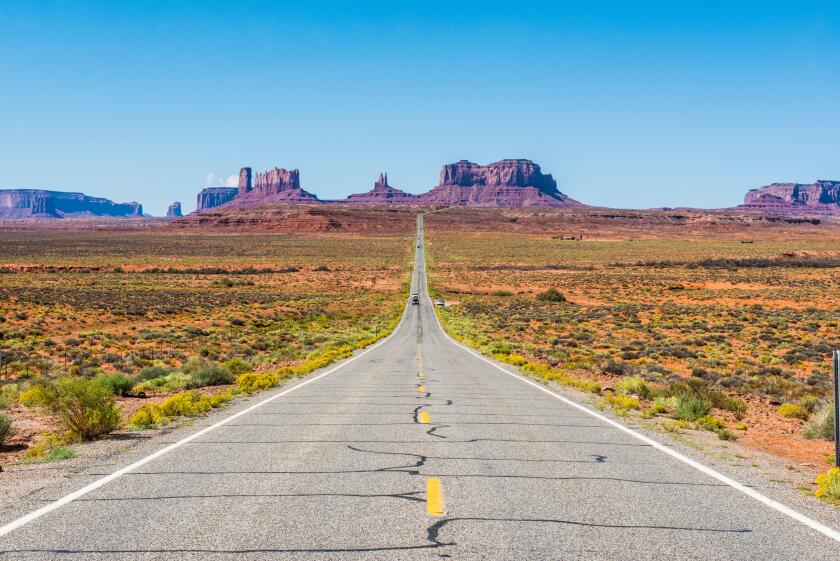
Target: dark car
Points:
(415, 300)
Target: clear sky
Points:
(627, 104)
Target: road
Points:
(348, 465)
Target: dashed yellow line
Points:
(434, 498)
(424, 417)
(421, 389)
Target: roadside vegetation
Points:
(106, 331)
(706, 333)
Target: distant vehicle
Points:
(415, 300)
(440, 302)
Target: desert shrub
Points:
(828, 485)
(118, 384)
(152, 372)
(501, 293)
(211, 375)
(716, 426)
(821, 424)
(622, 402)
(251, 382)
(664, 405)
(5, 428)
(791, 411)
(237, 366)
(551, 295)
(691, 408)
(186, 404)
(620, 368)
(85, 408)
(514, 359)
(8, 395)
(727, 403)
(51, 448)
(809, 402)
(710, 423)
(171, 382)
(144, 417)
(633, 386)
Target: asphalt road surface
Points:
(415, 450)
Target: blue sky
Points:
(636, 104)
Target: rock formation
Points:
(174, 210)
(822, 196)
(276, 186)
(272, 187)
(38, 203)
(507, 183)
(211, 197)
(382, 194)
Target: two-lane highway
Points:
(416, 449)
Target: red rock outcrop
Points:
(382, 194)
(507, 183)
(822, 196)
(38, 203)
(276, 186)
(174, 210)
(211, 197)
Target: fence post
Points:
(836, 408)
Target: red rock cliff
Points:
(507, 183)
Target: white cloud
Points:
(213, 180)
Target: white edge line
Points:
(784, 509)
(34, 515)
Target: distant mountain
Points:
(39, 203)
(382, 194)
(507, 183)
(211, 197)
(174, 210)
(820, 197)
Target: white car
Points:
(440, 302)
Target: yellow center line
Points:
(421, 389)
(424, 417)
(434, 498)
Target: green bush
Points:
(211, 375)
(664, 404)
(691, 408)
(633, 386)
(501, 293)
(809, 402)
(828, 485)
(118, 384)
(8, 395)
(791, 411)
(551, 295)
(821, 424)
(152, 372)
(5, 428)
(725, 402)
(85, 408)
(237, 366)
(171, 382)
